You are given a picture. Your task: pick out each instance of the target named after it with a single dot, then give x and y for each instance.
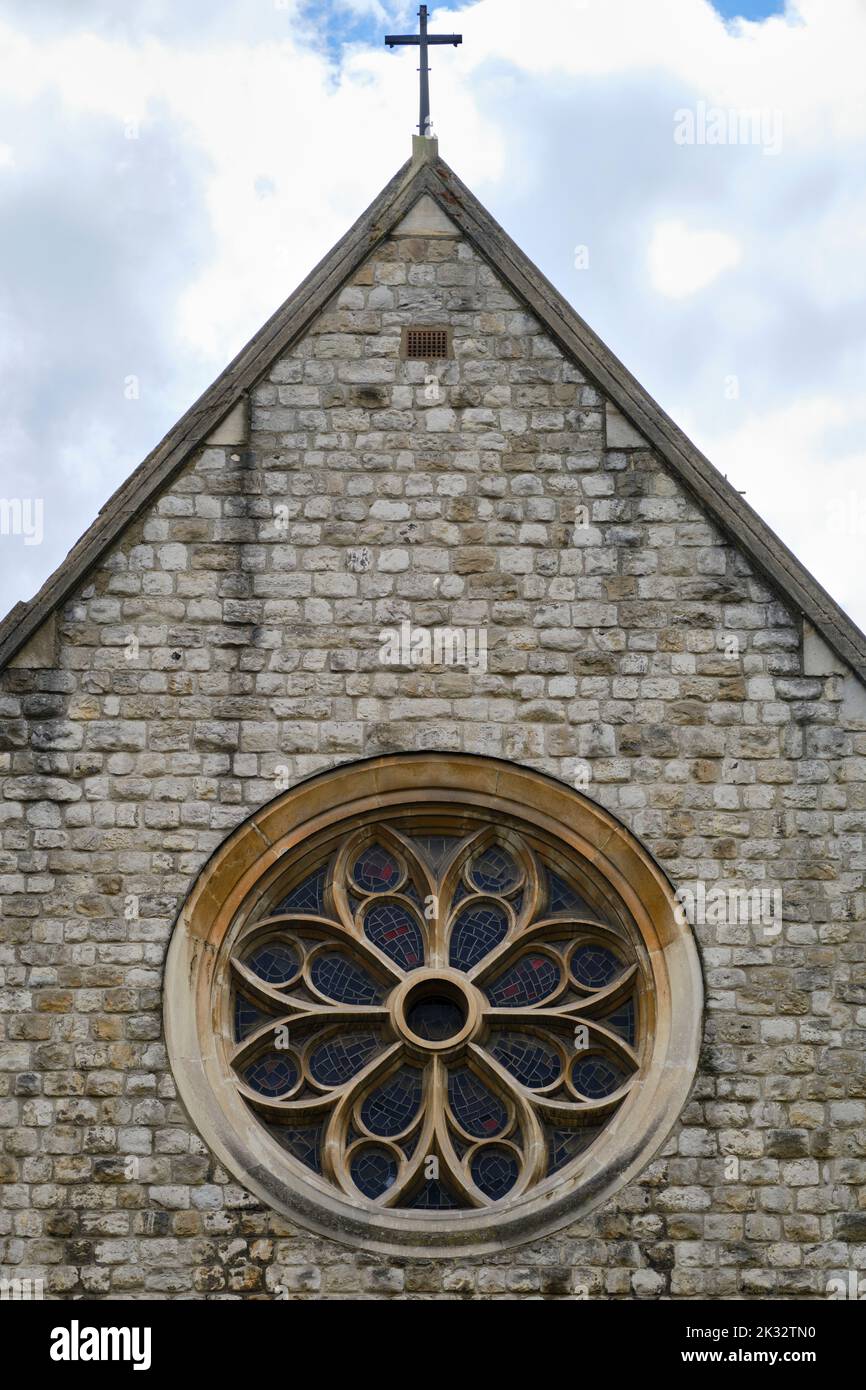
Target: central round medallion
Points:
(435, 1017)
(436, 1010)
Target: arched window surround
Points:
(240, 880)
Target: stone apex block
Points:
(818, 659)
(40, 652)
(424, 148)
(234, 428)
(426, 219)
(620, 433)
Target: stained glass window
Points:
(247, 1017)
(271, 1074)
(564, 1145)
(463, 1038)
(527, 982)
(394, 929)
(494, 871)
(376, 871)
(473, 1106)
(623, 1020)
(338, 1058)
(435, 1196)
(373, 1170)
(561, 897)
(436, 1018)
(432, 1004)
(476, 931)
(303, 1142)
(594, 966)
(389, 1109)
(307, 896)
(495, 1171)
(273, 961)
(533, 1061)
(344, 980)
(596, 1077)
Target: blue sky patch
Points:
(749, 9)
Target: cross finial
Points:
(422, 39)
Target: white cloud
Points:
(682, 261)
(816, 490)
(257, 149)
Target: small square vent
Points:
(426, 344)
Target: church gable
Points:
(495, 484)
(483, 540)
(426, 202)
(495, 492)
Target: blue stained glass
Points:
(410, 891)
(341, 979)
(475, 933)
(303, 1142)
(341, 1057)
(494, 1171)
(435, 1196)
(623, 1021)
(460, 892)
(529, 980)
(494, 871)
(247, 1017)
(460, 1145)
(373, 1170)
(561, 897)
(392, 1107)
(273, 961)
(271, 1074)
(392, 928)
(595, 1076)
(563, 1145)
(533, 1062)
(594, 966)
(308, 896)
(475, 1109)
(375, 870)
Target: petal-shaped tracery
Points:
(494, 871)
(393, 926)
(473, 1106)
(274, 961)
(532, 978)
(391, 1107)
(337, 1057)
(534, 1061)
(435, 1019)
(479, 926)
(337, 976)
(495, 1169)
(376, 871)
(594, 965)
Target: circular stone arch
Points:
(497, 802)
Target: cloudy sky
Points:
(688, 173)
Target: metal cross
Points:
(422, 40)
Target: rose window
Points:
(432, 1003)
(435, 1021)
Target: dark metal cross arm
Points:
(392, 40)
(423, 40)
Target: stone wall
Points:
(230, 646)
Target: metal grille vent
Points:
(426, 344)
